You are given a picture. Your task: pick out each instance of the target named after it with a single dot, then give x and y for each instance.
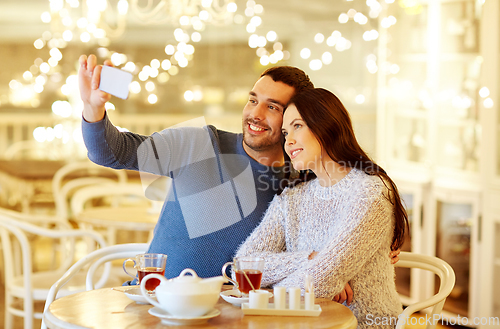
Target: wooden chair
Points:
(111, 195)
(447, 282)
(76, 175)
(21, 281)
(93, 261)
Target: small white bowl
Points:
(136, 295)
(234, 297)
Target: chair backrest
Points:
(95, 259)
(14, 230)
(447, 282)
(17, 251)
(75, 175)
(63, 196)
(42, 221)
(35, 219)
(117, 192)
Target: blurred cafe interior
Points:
(420, 78)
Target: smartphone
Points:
(115, 81)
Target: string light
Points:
(95, 28)
(305, 53)
(488, 103)
(484, 92)
(315, 64)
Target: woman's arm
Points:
(361, 233)
(268, 241)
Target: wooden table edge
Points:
(52, 322)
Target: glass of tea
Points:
(146, 264)
(247, 272)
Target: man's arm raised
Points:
(93, 99)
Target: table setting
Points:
(190, 301)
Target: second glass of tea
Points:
(247, 271)
(146, 264)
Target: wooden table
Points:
(22, 180)
(40, 169)
(31, 169)
(131, 218)
(110, 308)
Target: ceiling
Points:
(20, 21)
(295, 21)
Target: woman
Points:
(340, 222)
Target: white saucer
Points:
(228, 296)
(167, 318)
(136, 295)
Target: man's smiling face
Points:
(263, 115)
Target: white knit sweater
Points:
(351, 225)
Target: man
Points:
(222, 182)
(258, 149)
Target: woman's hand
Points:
(89, 77)
(394, 256)
(345, 295)
(312, 255)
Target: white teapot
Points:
(186, 296)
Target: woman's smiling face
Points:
(301, 145)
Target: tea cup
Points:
(147, 264)
(248, 273)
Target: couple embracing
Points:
(295, 187)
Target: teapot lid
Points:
(190, 284)
(183, 278)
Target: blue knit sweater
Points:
(218, 193)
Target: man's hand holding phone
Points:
(98, 83)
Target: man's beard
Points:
(263, 143)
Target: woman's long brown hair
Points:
(329, 121)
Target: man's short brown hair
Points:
(290, 75)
